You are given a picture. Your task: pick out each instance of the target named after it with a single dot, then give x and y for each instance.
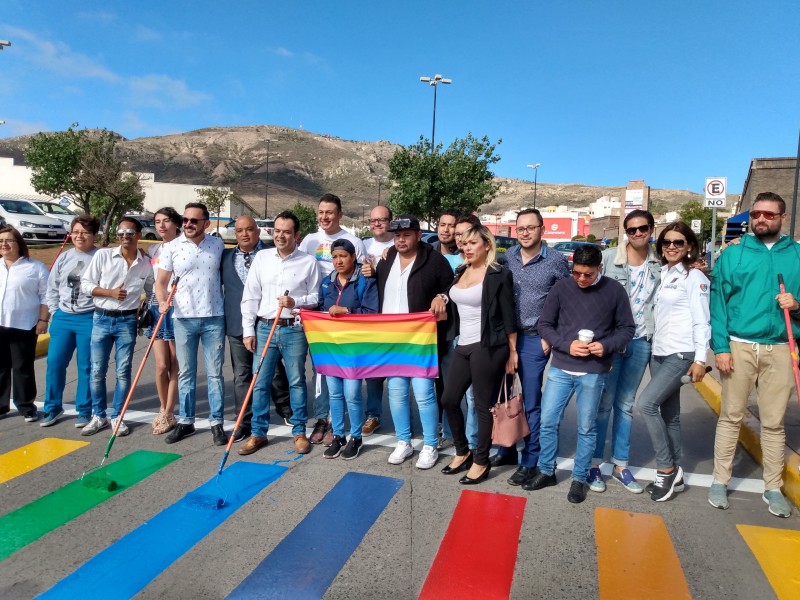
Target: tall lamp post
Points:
(4, 43)
(379, 180)
(435, 81)
(535, 177)
(266, 189)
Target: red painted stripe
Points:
(419, 317)
(477, 556)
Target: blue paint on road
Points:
(307, 561)
(126, 567)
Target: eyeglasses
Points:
(631, 231)
(379, 221)
(80, 234)
(527, 230)
(126, 232)
(8, 242)
(582, 275)
(677, 243)
(187, 220)
(766, 214)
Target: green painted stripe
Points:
(30, 522)
(373, 348)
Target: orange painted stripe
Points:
(349, 326)
(778, 553)
(635, 557)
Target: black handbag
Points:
(145, 316)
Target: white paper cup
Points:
(586, 335)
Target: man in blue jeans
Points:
(586, 319)
(115, 278)
(194, 258)
(637, 267)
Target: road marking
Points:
(307, 560)
(30, 522)
(635, 556)
(126, 567)
(483, 532)
(778, 553)
(34, 455)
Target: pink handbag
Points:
(510, 423)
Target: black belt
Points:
(115, 313)
(529, 332)
(281, 322)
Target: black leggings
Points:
(483, 369)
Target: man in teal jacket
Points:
(750, 343)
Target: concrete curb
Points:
(750, 438)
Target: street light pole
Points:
(379, 179)
(4, 44)
(266, 189)
(435, 81)
(535, 177)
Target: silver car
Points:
(56, 211)
(31, 223)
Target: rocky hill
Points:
(304, 165)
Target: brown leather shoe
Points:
(301, 444)
(252, 444)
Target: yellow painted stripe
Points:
(778, 553)
(635, 557)
(34, 455)
(354, 337)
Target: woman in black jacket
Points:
(486, 323)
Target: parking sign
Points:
(716, 192)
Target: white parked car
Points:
(56, 211)
(34, 226)
(228, 232)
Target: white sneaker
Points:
(427, 457)
(95, 425)
(402, 452)
(123, 429)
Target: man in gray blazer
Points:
(233, 271)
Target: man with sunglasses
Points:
(750, 344)
(636, 266)
(195, 257)
(116, 279)
(586, 319)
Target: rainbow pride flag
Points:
(361, 346)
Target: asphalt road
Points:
(557, 554)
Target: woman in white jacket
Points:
(680, 346)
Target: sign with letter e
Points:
(716, 192)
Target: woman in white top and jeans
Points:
(680, 346)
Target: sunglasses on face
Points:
(766, 214)
(121, 232)
(631, 231)
(582, 275)
(187, 221)
(677, 243)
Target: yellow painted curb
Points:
(750, 438)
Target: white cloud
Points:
(284, 53)
(161, 91)
(98, 16)
(15, 127)
(145, 34)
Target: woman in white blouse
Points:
(680, 346)
(24, 315)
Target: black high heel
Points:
(448, 470)
(466, 480)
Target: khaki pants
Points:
(770, 369)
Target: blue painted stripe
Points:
(306, 562)
(126, 567)
(366, 360)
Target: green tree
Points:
(692, 210)
(307, 217)
(215, 198)
(425, 182)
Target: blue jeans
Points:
(68, 332)
(425, 396)
(622, 383)
(341, 391)
(471, 419)
(532, 362)
(660, 406)
(557, 392)
(322, 401)
(290, 344)
(108, 332)
(189, 333)
(375, 397)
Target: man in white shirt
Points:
(194, 258)
(116, 279)
(280, 280)
(383, 239)
(318, 245)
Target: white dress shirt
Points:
(109, 270)
(682, 313)
(269, 277)
(23, 289)
(199, 291)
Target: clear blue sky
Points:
(597, 92)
